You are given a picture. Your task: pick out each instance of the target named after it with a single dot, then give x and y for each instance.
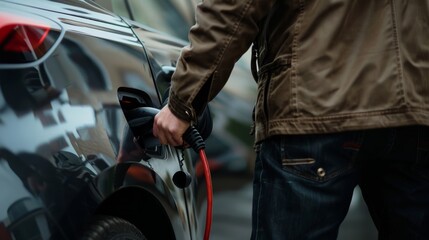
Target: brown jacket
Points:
(325, 66)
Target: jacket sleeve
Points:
(223, 32)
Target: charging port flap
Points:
(139, 111)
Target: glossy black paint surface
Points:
(65, 150)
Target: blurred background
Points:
(229, 148)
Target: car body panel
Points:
(63, 129)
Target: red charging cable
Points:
(208, 179)
(194, 139)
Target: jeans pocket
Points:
(320, 157)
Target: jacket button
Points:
(321, 172)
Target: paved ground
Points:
(232, 217)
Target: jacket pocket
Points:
(266, 95)
(260, 113)
(273, 89)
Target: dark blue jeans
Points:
(303, 184)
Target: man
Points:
(343, 99)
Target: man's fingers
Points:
(170, 138)
(167, 134)
(168, 128)
(175, 141)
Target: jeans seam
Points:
(418, 147)
(297, 161)
(259, 201)
(391, 144)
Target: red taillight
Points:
(23, 38)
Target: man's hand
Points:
(168, 128)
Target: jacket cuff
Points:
(180, 109)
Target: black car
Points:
(78, 87)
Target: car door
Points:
(62, 127)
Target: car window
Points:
(174, 17)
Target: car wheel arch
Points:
(141, 208)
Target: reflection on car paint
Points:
(63, 132)
(64, 119)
